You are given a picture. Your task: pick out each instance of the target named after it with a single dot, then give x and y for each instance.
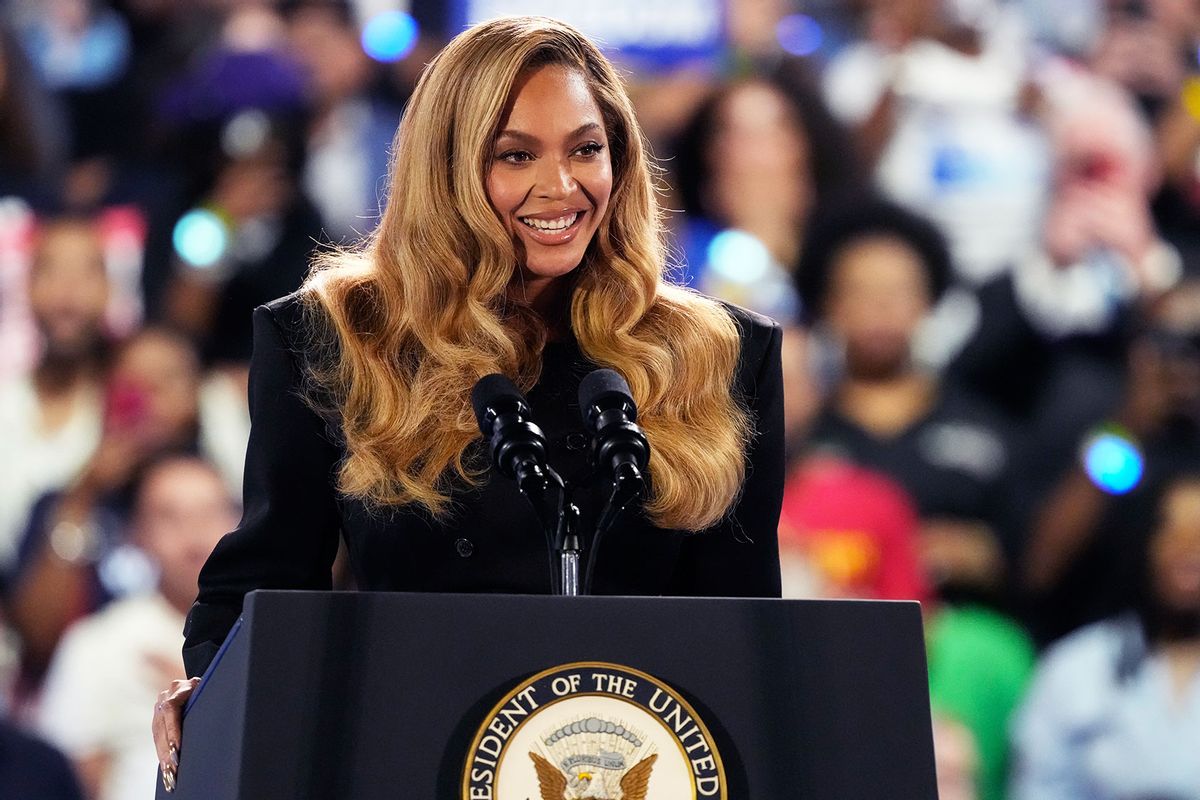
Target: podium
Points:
(490, 697)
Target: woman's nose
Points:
(555, 180)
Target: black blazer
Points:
(288, 534)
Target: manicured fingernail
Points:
(169, 779)
(174, 756)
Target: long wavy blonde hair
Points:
(423, 308)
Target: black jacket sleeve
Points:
(739, 557)
(287, 538)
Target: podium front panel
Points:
(383, 695)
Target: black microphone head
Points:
(603, 387)
(491, 391)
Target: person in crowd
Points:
(1177, 205)
(1145, 425)
(522, 237)
(1062, 310)
(346, 166)
(938, 95)
(72, 558)
(847, 531)
(980, 665)
(1152, 49)
(870, 276)
(33, 141)
(51, 417)
(109, 666)
(956, 760)
(30, 769)
(250, 229)
(269, 230)
(1114, 708)
(771, 132)
(776, 136)
(81, 50)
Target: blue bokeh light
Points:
(389, 36)
(738, 257)
(1113, 463)
(800, 34)
(200, 238)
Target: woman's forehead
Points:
(553, 101)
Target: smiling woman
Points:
(551, 178)
(521, 236)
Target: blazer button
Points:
(577, 441)
(465, 547)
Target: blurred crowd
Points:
(978, 221)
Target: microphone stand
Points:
(550, 497)
(569, 547)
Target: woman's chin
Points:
(540, 267)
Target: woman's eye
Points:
(590, 149)
(516, 156)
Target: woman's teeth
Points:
(559, 224)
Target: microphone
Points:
(619, 447)
(518, 446)
(518, 449)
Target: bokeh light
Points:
(799, 34)
(389, 36)
(738, 257)
(1113, 463)
(200, 238)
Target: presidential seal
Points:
(593, 731)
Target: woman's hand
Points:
(168, 727)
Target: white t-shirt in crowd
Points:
(102, 686)
(34, 461)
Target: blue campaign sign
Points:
(657, 33)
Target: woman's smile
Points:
(554, 228)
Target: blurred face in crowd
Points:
(72, 15)
(895, 23)
(68, 288)
(182, 510)
(330, 49)
(751, 23)
(877, 296)
(758, 159)
(550, 176)
(1175, 337)
(255, 183)
(1182, 15)
(153, 389)
(1175, 550)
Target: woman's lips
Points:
(559, 229)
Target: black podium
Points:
(414, 696)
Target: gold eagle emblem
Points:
(554, 783)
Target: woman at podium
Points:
(521, 236)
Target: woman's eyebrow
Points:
(522, 136)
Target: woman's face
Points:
(550, 176)
(759, 143)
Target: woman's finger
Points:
(167, 727)
(172, 710)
